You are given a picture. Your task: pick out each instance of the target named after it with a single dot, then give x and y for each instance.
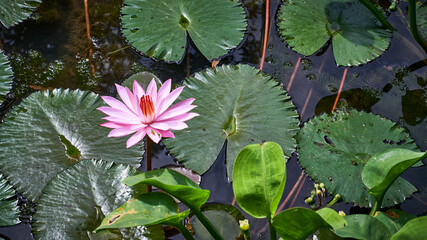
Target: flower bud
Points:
(341, 213)
(309, 200)
(244, 225)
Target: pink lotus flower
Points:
(146, 113)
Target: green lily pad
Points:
(146, 209)
(13, 12)
(422, 18)
(334, 148)
(52, 130)
(143, 78)
(76, 200)
(9, 211)
(364, 227)
(356, 36)
(259, 178)
(237, 104)
(5, 74)
(158, 28)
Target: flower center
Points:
(147, 107)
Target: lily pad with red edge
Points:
(52, 130)
(238, 104)
(158, 28)
(9, 211)
(5, 75)
(334, 148)
(13, 12)
(78, 198)
(357, 37)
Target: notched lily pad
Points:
(9, 211)
(5, 75)
(158, 28)
(237, 104)
(78, 198)
(52, 130)
(356, 35)
(14, 11)
(334, 148)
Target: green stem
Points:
(273, 234)
(148, 152)
(208, 225)
(187, 235)
(377, 13)
(413, 25)
(374, 209)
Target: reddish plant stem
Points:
(297, 193)
(306, 102)
(266, 32)
(340, 90)
(291, 193)
(293, 75)
(88, 34)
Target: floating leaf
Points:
(146, 209)
(422, 18)
(75, 201)
(143, 78)
(412, 230)
(9, 211)
(173, 183)
(334, 148)
(237, 104)
(52, 130)
(383, 168)
(364, 227)
(222, 220)
(158, 28)
(298, 223)
(13, 12)
(5, 74)
(356, 36)
(259, 178)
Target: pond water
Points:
(51, 50)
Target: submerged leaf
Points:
(9, 211)
(356, 37)
(52, 130)
(334, 148)
(237, 104)
(14, 11)
(158, 28)
(75, 201)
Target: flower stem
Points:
(208, 225)
(374, 209)
(413, 25)
(187, 235)
(273, 235)
(148, 156)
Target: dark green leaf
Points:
(146, 209)
(14, 11)
(75, 201)
(143, 78)
(173, 183)
(383, 168)
(364, 227)
(237, 104)
(298, 223)
(9, 211)
(222, 220)
(356, 37)
(158, 28)
(412, 230)
(259, 178)
(52, 130)
(334, 148)
(5, 74)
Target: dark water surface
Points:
(51, 50)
